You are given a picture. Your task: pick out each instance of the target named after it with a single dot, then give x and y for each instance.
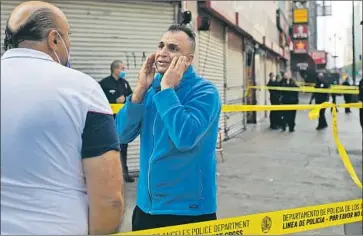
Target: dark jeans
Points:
(143, 221)
(123, 155)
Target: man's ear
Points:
(190, 59)
(53, 40)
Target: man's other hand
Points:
(147, 72)
(146, 77)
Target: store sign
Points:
(319, 57)
(299, 4)
(300, 46)
(301, 15)
(300, 31)
(302, 66)
(282, 22)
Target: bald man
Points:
(60, 165)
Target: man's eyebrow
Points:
(171, 44)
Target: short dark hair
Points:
(115, 64)
(36, 28)
(186, 30)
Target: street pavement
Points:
(267, 170)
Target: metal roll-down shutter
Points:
(235, 82)
(211, 60)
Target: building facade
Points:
(246, 40)
(348, 46)
(313, 25)
(358, 5)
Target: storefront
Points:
(211, 46)
(110, 30)
(235, 83)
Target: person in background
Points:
(279, 113)
(334, 95)
(347, 97)
(282, 113)
(319, 99)
(60, 165)
(117, 88)
(176, 114)
(275, 119)
(289, 98)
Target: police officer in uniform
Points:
(347, 97)
(319, 99)
(275, 118)
(334, 95)
(117, 89)
(289, 98)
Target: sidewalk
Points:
(268, 170)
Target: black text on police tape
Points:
(313, 217)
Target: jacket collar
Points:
(26, 53)
(188, 74)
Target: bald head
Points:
(33, 21)
(26, 10)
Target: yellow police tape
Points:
(343, 87)
(332, 86)
(270, 223)
(313, 114)
(306, 89)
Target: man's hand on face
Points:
(147, 72)
(121, 99)
(174, 73)
(146, 77)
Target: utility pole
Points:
(353, 41)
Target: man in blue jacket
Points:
(176, 112)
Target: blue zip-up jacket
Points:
(178, 129)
